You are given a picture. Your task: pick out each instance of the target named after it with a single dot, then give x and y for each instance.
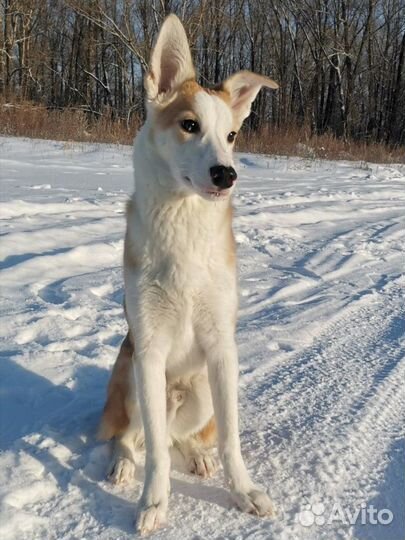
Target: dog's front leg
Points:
(223, 376)
(150, 366)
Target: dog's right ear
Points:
(171, 62)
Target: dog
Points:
(176, 375)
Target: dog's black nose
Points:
(223, 177)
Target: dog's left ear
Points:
(171, 63)
(243, 87)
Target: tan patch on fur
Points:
(230, 251)
(115, 420)
(182, 105)
(208, 435)
(231, 243)
(220, 92)
(130, 259)
(190, 88)
(129, 207)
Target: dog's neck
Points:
(171, 228)
(157, 192)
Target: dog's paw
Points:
(150, 518)
(121, 470)
(255, 502)
(202, 463)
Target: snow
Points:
(321, 340)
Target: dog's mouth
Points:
(209, 193)
(217, 194)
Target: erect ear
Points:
(243, 87)
(171, 62)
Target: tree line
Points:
(340, 63)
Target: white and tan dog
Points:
(176, 376)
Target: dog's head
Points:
(194, 128)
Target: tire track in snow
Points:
(350, 382)
(315, 271)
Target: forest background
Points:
(72, 69)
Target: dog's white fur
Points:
(180, 283)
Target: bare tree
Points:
(340, 63)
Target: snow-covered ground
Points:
(321, 335)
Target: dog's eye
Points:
(231, 136)
(191, 126)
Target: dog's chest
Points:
(184, 355)
(181, 275)
(183, 246)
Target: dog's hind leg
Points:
(194, 430)
(197, 451)
(120, 418)
(122, 465)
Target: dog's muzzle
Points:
(223, 177)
